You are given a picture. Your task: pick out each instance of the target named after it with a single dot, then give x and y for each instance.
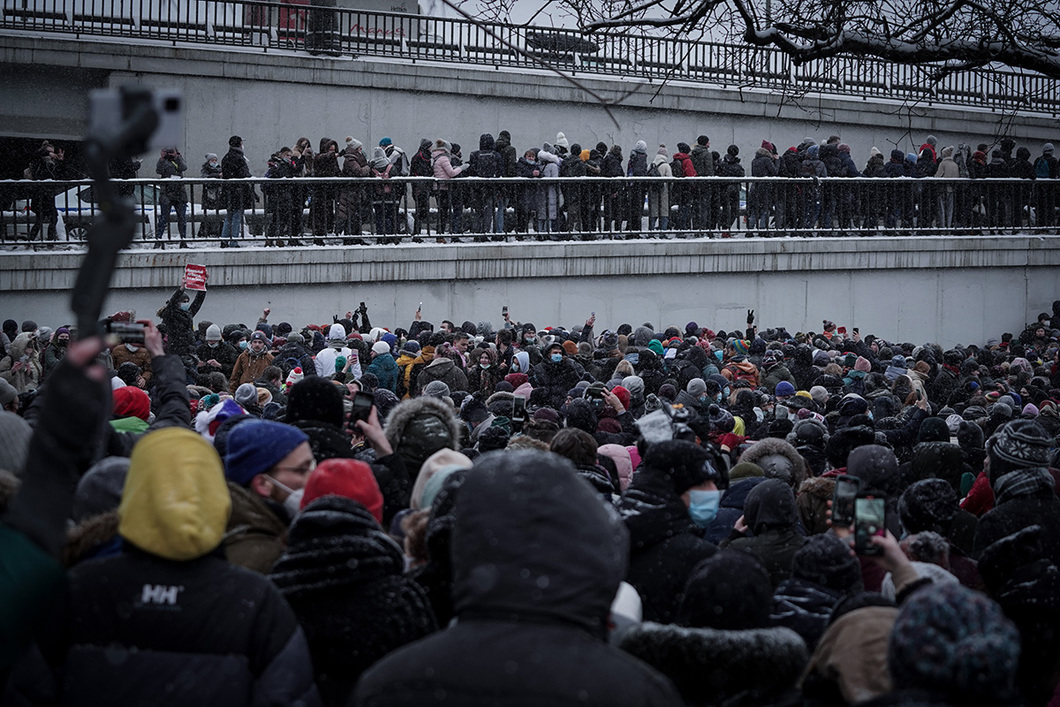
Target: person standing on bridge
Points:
(322, 196)
(171, 165)
(238, 198)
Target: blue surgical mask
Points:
(718, 355)
(185, 306)
(556, 358)
(242, 345)
(703, 506)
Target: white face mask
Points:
(293, 502)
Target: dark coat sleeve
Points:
(394, 483)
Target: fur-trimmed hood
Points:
(419, 427)
(709, 666)
(760, 452)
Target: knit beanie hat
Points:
(742, 346)
(561, 140)
(436, 389)
(721, 420)
(441, 461)
(315, 398)
(745, 470)
(929, 504)
(380, 347)
(99, 490)
(957, 640)
(825, 560)
(1022, 443)
(353, 142)
(862, 364)
(683, 464)
(784, 389)
(246, 395)
(131, 402)
(255, 446)
(15, 434)
(729, 591)
(348, 478)
(696, 387)
(213, 333)
(294, 376)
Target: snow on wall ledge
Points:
(959, 289)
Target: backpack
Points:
(489, 164)
(677, 167)
(653, 170)
(1041, 168)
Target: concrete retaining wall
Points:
(913, 289)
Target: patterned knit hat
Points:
(742, 346)
(1022, 443)
(957, 640)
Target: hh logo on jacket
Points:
(160, 594)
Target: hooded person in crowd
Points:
(315, 406)
(169, 603)
(554, 557)
(769, 513)
(252, 363)
(325, 359)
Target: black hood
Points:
(533, 541)
(770, 506)
(486, 143)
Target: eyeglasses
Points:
(306, 468)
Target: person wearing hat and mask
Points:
(674, 495)
(267, 464)
(215, 354)
(136, 623)
(252, 363)
(556, 374)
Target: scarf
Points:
(1023, 482)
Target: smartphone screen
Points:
(869, 519)
(362, 406)
(518, 408)
(846, 490)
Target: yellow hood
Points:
(175, 503)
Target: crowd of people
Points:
(344, 513)
(446, 204)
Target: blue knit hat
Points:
(255, 446)
(784, 388)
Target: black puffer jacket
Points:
(236, 635)
(342, 576)
(537, 559)
(436, 576)
(664, 543)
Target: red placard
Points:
(195, 277)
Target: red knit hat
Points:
(131, 402)
(348, 478)
(622, 394)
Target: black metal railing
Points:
(339, 211)
(297, 25)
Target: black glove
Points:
(750, 317)
(363, 309)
